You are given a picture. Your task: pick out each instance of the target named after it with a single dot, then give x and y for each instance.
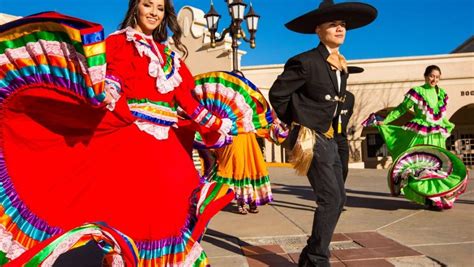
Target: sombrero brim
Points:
(354, 69)
(355, 15)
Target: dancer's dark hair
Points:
(160, 34)
(430, 69)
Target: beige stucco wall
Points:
(385, 81)
(4, 18)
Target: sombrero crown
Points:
(353, 13)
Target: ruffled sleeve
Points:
(400, 109)
(448, 125)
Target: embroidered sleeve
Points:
(205, 118)
(400, 109)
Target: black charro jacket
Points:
(304, 93)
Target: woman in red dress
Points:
(67, 162)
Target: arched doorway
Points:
(461, 142)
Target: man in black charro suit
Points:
(310, 92)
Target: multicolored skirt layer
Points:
(427, 172)
(66, 161)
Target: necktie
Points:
(337, 61)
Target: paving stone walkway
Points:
(375, 230)
(348, 249)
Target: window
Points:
(467, 149)
(376, 146)
(451, 143)
(463, 147)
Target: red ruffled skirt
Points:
(65, 162)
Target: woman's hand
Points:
(108, 97)
(112, 94)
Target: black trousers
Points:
(325, 177)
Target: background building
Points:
(378, 89)
(382, 86)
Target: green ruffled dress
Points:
(428, 127)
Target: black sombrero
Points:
(353, 13)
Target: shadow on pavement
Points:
(380, 194)
(381, 200)
(301, 191)
(381, 203)
(216, 238)
(291, 205)
(464, 201)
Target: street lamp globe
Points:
(252, 20)
(234, 30)
(237, 8)
(212, 19)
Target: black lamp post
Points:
(236, 11)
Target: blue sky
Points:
(402, 28)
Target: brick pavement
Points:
(375, 230)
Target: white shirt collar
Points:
(329, 49)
